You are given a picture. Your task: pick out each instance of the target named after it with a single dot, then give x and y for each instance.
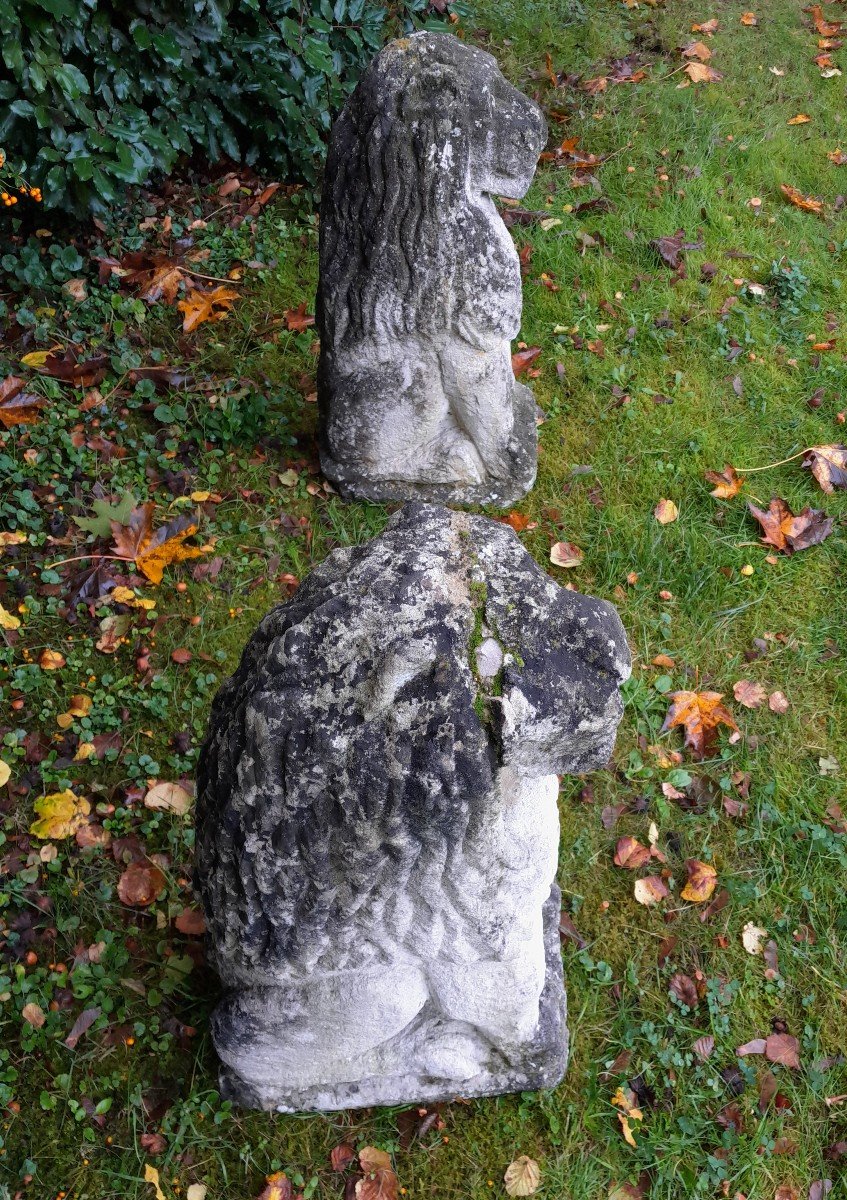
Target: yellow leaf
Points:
(84, 750)
(665, 512)
(60, 815)
(702, 73)
(522, 1177)
(36, 358)
(80, 706)
(700, 714)
(702, 880)
(800, 119)
(151, 1175)
(8, 620)
(5, 772)
(206, 306)
(11, 539)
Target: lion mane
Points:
(402, 217)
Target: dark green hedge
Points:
(98, 94)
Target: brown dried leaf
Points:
(380, 1182)
(651, 890)
(522, 359)
(698, 50)
(522, 1177)
(783, 1048)
(796, 197)
(191, 922)
(83, 1022)
(701, 73)
(297, 319)
(748, 693)
(685, 990)
(788, 532)
(828, 464)
(630, 854)
(704, 1047)
(18, 407)
(206, 306)
(140, 884)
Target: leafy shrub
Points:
(99, 94)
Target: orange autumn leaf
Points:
(18, 407)
(825, 28)
(631, 854)
(728, 482)
(800, 119)
(698, 50)
(297, 319)
(708, 27)
(749, 18)
(837, 156)
(701, 73)
(206, 306)
(702, 880)
(153, 551)
(522, 359)
(700, 714)
(796, 197)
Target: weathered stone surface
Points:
(378, 831)
(420, 286)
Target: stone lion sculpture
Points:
(420, 287)
(377, 825)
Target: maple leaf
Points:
(59, 815)
(828, 464)
(796, 197)
(153, 551)
(670, 249)
(728, 482)
(18, 407)
(709, 27)
(700, 73)
(163, 284)
(788, 532)
(206, 306)
(297, 319)
(700, 714)
(522, 359)
(825, 28)
(749, 18)
(697, 50)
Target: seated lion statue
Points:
(420, 287)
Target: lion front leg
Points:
(479, 384)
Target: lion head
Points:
(430, 131)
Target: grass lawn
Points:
(648, 376)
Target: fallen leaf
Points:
(709, 27)
(277, 1187)
(625, 1100)
(751, 938)
(8, 620)
(196, 1191)
(651, 890)
(749, 18)
(522, 359)
(700, 714)
(51, 660)
(297, 319)
(825, 28)
(702, 880)
(18, 407)
(778, 702)
(806, 203)
(522, 1177)
(60, 815)
(820, 1189)
(783, 1048)
(630, 854)
(828, 464)
(728, 482)
(701, 73)
(151, 1175)
(341, 1156)
(788, 532)
(566, 554)
(153, 551)
(698, 50)
(670, 249)
(665, 512)
(756, 1046)
(169, 797)
(684, 989)
(5, 772)
(83, 1022)
(704, 1047)
(191, 922)
(837, 156)
(206, 306)
(140, 884)
(380, 1182)
(800, 119)
(112, 630)
(748, 693)
(33, 1015)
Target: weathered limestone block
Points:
(420, 286)
(378, 832)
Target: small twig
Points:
(63, 562)
(770, 466)
(214, 278)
